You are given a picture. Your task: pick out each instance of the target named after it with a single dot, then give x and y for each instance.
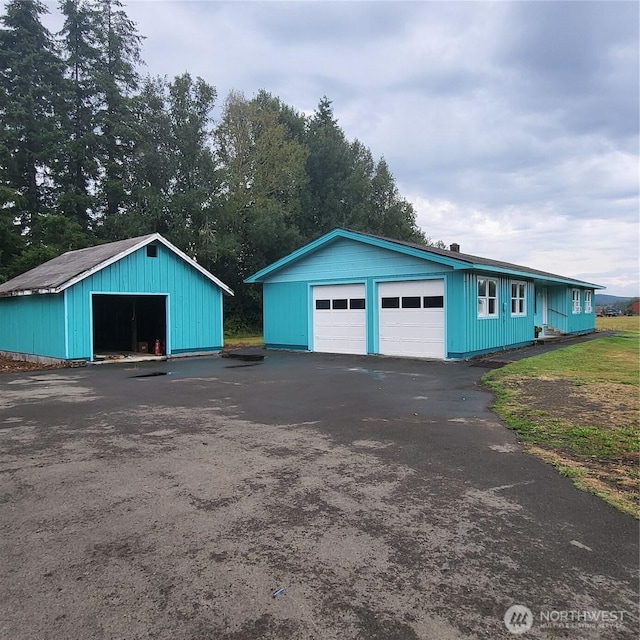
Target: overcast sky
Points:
(511, 126)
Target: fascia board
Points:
(292, 257)
(351, 235)
(534, 276)
(195, 265)
(156, 237)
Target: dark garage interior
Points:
(128, 323)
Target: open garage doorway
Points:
(128, 324)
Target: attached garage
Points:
(352, 292)
(412, 318)
(339, 319)
(124, 296)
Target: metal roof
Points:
(69, 268)
(454, 259)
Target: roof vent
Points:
(455, 247)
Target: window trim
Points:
(519, 299)
(575, 308)
(484, 300)
(588, 301)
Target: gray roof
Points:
(452, 258)
(479, 261)
(71, 267)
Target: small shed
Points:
(116, 297)
(351, 292)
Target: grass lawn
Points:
(243, 340)
(578, 408)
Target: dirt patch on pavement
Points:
(7, 365)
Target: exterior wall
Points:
(581, 322)
(33, 325)
(286, 323)
(194, 303)
(560, 310)
(288, 309)
(470, 335)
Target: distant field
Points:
(578, 408)
(619, 323)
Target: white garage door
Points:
(339, 319)
(412, 318)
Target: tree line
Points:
(91, 152)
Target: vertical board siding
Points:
(195, 303)
(33, 325)
(286, 316)
(469, 334)
(346, 260)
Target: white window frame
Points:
(485, 298)
(519, 300)
(575, 301)
(588, 301)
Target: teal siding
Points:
(194, 307)
(33, 325)
(288, 314)
(348, 260)
(470, 334)
(286, 324)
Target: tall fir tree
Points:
(78, 172)
(116, 79)
(30, 135)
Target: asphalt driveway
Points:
(172, 500)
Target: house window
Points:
(323, 304)
(152, 251)
(487, 298)
(575, 301)
(340, 303)
(356, 303)
(518, 298)
(588, 302)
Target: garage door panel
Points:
(412, 318)
(339, 319)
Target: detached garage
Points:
(119, 297)
(350, 292)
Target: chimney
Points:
(455, 247)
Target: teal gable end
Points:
(350, 292)
(124, 301)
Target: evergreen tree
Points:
(30, 88)
(79, 170)
(116, 81)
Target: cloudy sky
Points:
(511, 126)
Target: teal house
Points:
(350, 292)
(134, 295)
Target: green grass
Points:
(243, 340)
(598, 451)
(612, 359)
